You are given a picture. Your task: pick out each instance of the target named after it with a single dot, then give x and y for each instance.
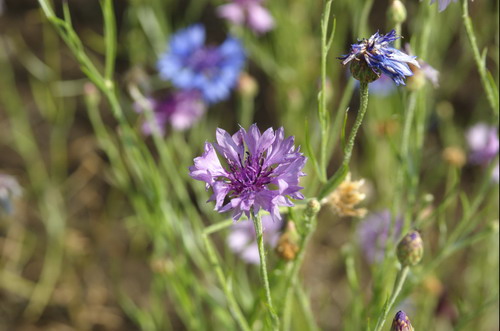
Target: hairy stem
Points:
(257, 222)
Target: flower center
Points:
(205, 60)
(249, 176)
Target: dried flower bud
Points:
(454, 156)
(401, 322)
(288, 243)
(362, 72)
(346, 197)
(397, 12)
(313, 207)
(410, 249)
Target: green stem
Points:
(231, 301)
(481, 66)
(363, 89)
(257, 222)
(322, 110)
(400, 279)
(292, 279)
(337, 177)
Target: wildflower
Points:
(260, 171)
(454, 156)
(190, 64)
(401, 322)
(346, 197)
(442, 4)
(9, 189)
(483, 143)
(243, 241)
(249, 12)
(181, 109)
(410, 249)
(373, 57)
(288, 243)
(373, 234)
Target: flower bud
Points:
(362, 72)
(397, 12)
(247, 85)
(410, 249)
(401, 322)
(288, 243)
(313, 207)
(454, 156)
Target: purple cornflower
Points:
(483, 143)
(242, 239)
(212, 70)
(249, 12)
(442, 4)
(376, 54)
(9, 189)
(260, 171)
(373, 233)
(180, 109)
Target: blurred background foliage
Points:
(108, 232)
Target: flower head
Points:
(181, 109)
(260, 171)
(373, 234)
(483, 143)
(372, 57)
(346, 197)
(401, 322)
(190, 64)
(9, 189)
(243, 241)
(442, 4)
(249, 12)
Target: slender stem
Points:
(398, 28)
(342, 171)
(231, 301)
(400, 279)
(306, 306)
(292, 279)
(257, 222)
(481, 66)
(322, 110)
(363, 89)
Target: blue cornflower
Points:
(192, 65)
(373, 57)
